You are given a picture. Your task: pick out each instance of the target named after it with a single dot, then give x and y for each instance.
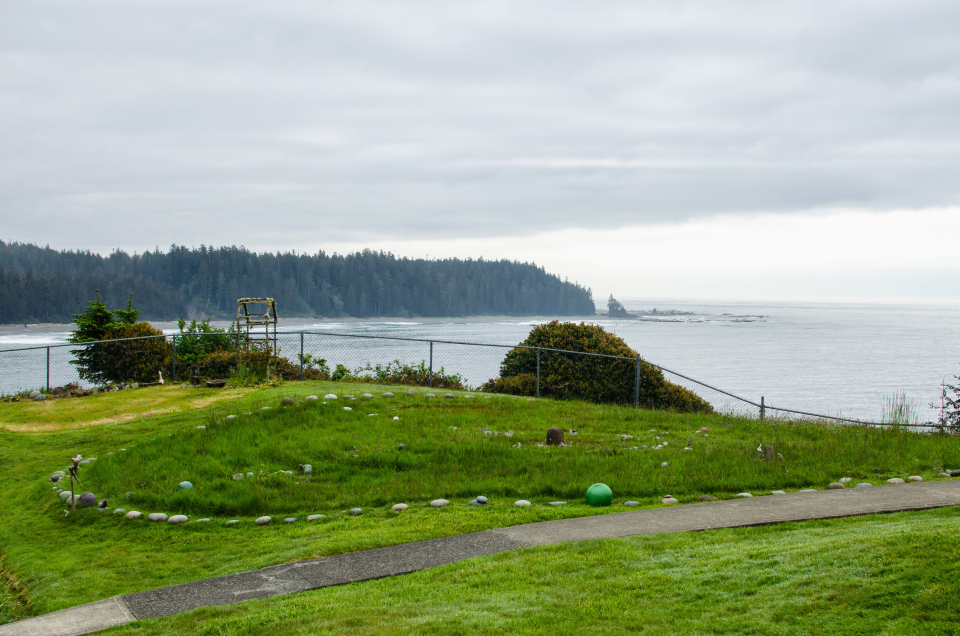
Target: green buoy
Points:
(599, 495)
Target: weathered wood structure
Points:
(249, 334)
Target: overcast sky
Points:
(737, 150)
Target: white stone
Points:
(914, 478)
(366, 396)
(157, 516)
(449, 396)
(396, 419)
(133, 514)
(845, 480)
(777, 492)
(314, 517)
(808, 490)
(34, 394)
(329, 396)
(439, 503)
(202, 428)
(231, 417)
(264, 408)
(896, 480)
(523, 503)
(664, 465)
(64, 495)
(556, 503)
(355, 511)
(205, 519)
(744, 494)
(233, 521)
(238, 477)
(347, 408)
(388, 394)
(400, 507)
(290, 520)
(177, 519)
(668, 500)
(371, 414)
(429, 395)
(119, 511)
(262, 521)
(864, 485)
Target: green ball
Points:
(599, 495)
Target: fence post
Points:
(431, 364)
(636, 388)
(48, 368)
(538, 372)
(763, 408)
(174, 358)
(301, 355)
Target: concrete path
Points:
(411, 557)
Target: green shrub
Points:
(196, 344)
(569, 376)
(131, 361)
(398, 373)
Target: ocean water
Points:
(840, 359)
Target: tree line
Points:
(40, 284)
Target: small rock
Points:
(396, 419)
(216, 384)
(290, 520)
(745, 495)
(135, 385)
(449, 396)
(400, 507)
(307, 469)
(249, 475)
(264, 408)
(523, 503)
(355, 511)
(667, 500)
(157, 516)
(439, 503)
(955, 473)
(845, 480)
(944, 474)
(233, 521)
(554, 436)
(371, 414)
(388, 394)
(347, 408)
(474, 502)
(177, 519)
(231, 417)
(706, 498)
(895, 480)
(836, 486)
(349, 397)
(914, 478)
(262, 521)
(287, 401)
(33, 394)
(329, 396)
(204, 520)
(864, 485)
(85, 462)
(133, 514)
(429, 395)
(65, 495)
(481, 499)
(185, 485)
(366, 396)
(311, 398)
(119, 511)
(808, 490)
(704, 429)
(238, 477)
(203, 428)
(88, 500)
(664, 465)
(400, 447)
(40, 398)
(314, 517)
(631, 503)
(777, 492)
(558, 503)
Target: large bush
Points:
(569, 376)
(204, 350)
(129, 361)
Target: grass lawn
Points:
(53, 560)
(884, 574)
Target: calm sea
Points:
(840, 359)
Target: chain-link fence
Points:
(440, 363)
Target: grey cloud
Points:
(149, 123)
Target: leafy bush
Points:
(200, 340)
(130, 361)
(569, 376)
(398, 373)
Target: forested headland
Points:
(40, 284)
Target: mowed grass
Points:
(64, 560)
(889, 574)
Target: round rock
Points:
(287, 401)
(665, 500)
(249, 475)
(366, 396)
(133, 514)
(34, 394)
(745, 495)
(706, 498)
(388, 394)
(429, 395)
(896, 480)
(522, 503)
(449, 396)
(314, 517)
(558, 503)
(396, 419)
(88, 499)
(40, 398)
(399, 507)
(290, 520)
(329, 396)
(914, 478)
(355, 511)
(864, 485)
(157, 516)
(119, 511)
(262, 521)
(64, 495)
(185, 485)
(778, 492)
(311, 398)
(439, 503)
(845, 480)
(481, 499)
(177, 519)
(836, 486)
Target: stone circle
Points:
(177, 519)
(262, 521)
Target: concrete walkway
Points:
(411, 557)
